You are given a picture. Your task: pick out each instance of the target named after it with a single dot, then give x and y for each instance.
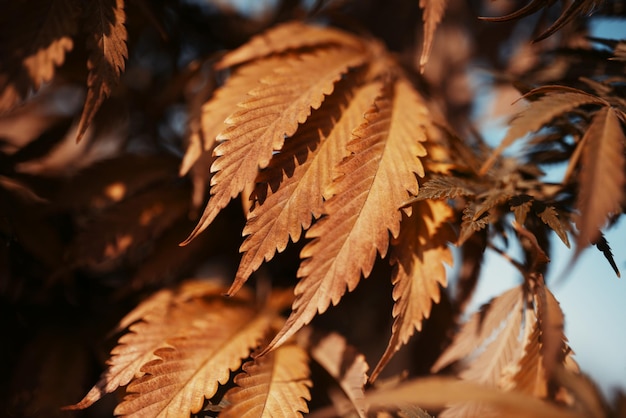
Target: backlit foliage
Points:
(222, 213)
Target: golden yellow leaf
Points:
(364, 208)
(275, 385)
(272, 112)
(419, 254)
(108, 52)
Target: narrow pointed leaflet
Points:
(364, 210)
(275, 385)
(271, 113)
(223, 103)
(107, 45)
(419, 255)
(285, 212)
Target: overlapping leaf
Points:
(419, 254)
(158, 318)
(376, 180)
(107, 44)
(273, 111)
(274, 385)
(186, 343)
(302, 172)
(555, 102)
(602, 175)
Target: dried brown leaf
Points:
(222, 104)
(437, 392)
(219, 334)
(32, 52)
(363, 211)
(447, 187)
(433, 13)
(419, 254)
(307, 161)
(111, 181)
(271, 113)
(285, 37)
(601, 176)
(493, 364)
(346, 366)
(162, 316)
(108, 52)
(125, 227)
(531, 376)
(479, 328)
(520, 205)
(550, 217)
(274, 385)
(551, 324)
(540, 112)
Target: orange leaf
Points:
(601, 175)
(346, 366)
(433, 13)
(479, 328)
(540, 112)
(219, 334)
(321, 144)
(275, 385)
(286, 37)
(32, 51)
(107, 44)
(163, 316)
(419, 254)
(271, 113)
(376, 179)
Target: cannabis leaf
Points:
(107, 44)
(32, 52)
(306, 161)
(274, 385)
(433, 13)
(601, 177)
(271, 113)
(346, 366)
(363, 210)
(419, 255)
(191, 338)
(556, 101)
(479, 327)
